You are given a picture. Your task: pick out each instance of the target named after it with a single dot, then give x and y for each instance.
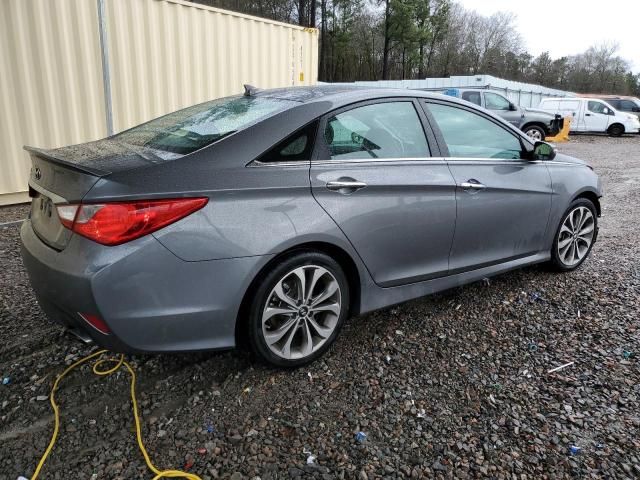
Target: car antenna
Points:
(250, 90)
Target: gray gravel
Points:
(453, 385)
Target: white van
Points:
(592, 115)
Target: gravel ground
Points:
(449, 386)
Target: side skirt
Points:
(375, 297)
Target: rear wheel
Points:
(616, 130)
(575, 235)
(298, 310)
(535, 132)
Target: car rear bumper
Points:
(151, 300)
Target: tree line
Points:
(409, 39)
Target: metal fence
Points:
(522, 94)
(77, 70)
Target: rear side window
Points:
(381, 130)
(469, 135)
(614, 103)
(473, 97)
(185, 131)
(295, 148)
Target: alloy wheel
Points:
(301, 312)
(576, 236)
(534, 134)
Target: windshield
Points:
(190, 129)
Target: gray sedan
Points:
(269, 218)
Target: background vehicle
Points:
(619, 102)
(592, 115)
(271, 217)
(537, 124)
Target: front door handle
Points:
(345, 185)
(472, 185)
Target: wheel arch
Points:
(536, 123)
(593, 197)
(617, 124)
(336, 252)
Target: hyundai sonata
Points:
(270, 217)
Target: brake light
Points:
(120, 222)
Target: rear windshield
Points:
(190, 129)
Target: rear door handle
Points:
(345, 185)
(472, 185)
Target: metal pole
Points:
(106, 76)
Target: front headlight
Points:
(632, 117)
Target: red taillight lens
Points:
(116, 223)
(96, 322)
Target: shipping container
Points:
(78, 70)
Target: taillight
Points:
(116, 223)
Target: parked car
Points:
(592, 115)
(271, 217)
(624, 104)
(537, 124)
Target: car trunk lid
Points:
(65, 175)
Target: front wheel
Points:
(575, 235)
(616, 130)
(535, 133)
(299, 308)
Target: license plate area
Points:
(46, 223)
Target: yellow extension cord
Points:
(96, 369)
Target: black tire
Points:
(264, 290)
(616, 130)
(556, 262)
(529, 129)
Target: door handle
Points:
(345, 186)
(472, 185)
(587, 114)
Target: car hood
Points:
(539, 112)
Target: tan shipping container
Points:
(72, 71)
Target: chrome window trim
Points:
(391, 160)
(488, 161)
(295, 163)
(404, 160)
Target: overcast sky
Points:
(566, 27)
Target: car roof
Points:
(340, 93)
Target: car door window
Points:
(493, 101)
(468, 134)
(473, 97)
(627, 106)
(381, 130)
(597, 107)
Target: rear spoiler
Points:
(50, 156)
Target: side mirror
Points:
(635, 109)
(512, 107)
(543, 151)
